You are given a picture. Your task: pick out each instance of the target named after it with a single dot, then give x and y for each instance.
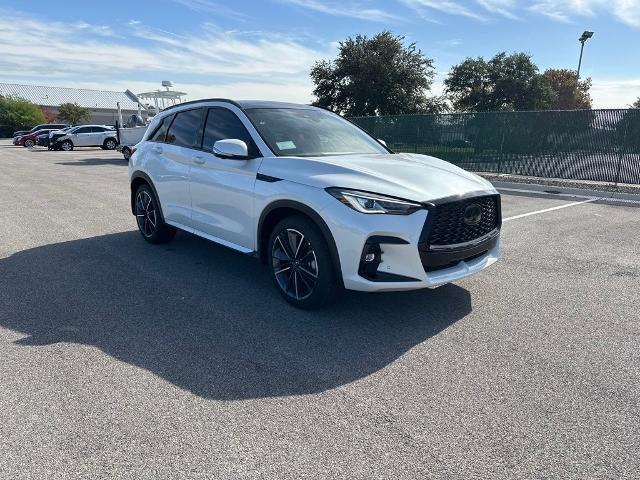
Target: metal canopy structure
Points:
(163, 98)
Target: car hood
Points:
(406, 175)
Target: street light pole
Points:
(586, 35)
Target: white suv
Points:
(87, 136)
(321, 202)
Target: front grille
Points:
(448, 227)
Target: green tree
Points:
(375, 76)
(504, 83)
(636, 104)
(73, 113)
(18, 113)
(568, 94)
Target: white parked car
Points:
(320, 201)
(85, 136)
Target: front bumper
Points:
(406, 263)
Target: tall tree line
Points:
(383, 75)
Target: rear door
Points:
(97, 136)
(172, 158)
(222, 189)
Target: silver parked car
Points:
(87, 136)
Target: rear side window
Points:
(161, 130)
(223, 124)
(186, 129)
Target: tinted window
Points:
(83, 130)
(161, 131)
(98, 129)
(223, 124)
(310, 132)
(185, 131)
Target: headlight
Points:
(365, 202)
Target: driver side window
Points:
(223, 124)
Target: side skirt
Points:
(211, 238)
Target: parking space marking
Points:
(572, 204)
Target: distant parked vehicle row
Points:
(65, 137)
(29, 139)
(102, 136)
(44, 126)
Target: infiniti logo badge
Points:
(472, 214)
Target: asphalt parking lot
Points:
(119, 359)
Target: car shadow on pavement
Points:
(93, 162)
(208, 319)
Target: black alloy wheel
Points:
(149, 218)
(301, 263)
(295, 264)
(146, 215)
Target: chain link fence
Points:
(600, 145)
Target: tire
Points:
(110, 144)
(126, 153)
(67, 145)
(149, 219)
(28, 143)
(300, 263)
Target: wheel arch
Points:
(280, 209)
(139, 178)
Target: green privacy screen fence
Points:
(602, 145)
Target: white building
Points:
(102, 103)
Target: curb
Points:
(549, 191)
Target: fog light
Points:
(370, 259)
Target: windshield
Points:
(310, 132)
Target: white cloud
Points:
(210, 51)
(626, 11)
(207, 6)
(244, 64)
(500, 7)
(448, 7)
(614, 93)
(341, 10)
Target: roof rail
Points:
(204, 100)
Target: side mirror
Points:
(231, 148)
(383, 142)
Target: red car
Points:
(29, 139)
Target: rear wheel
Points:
(300, 263)
(67, 145)
(149, 218)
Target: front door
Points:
(222, 189)
(82, 137)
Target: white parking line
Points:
(573, 204)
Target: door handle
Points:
(157, 149)
(198, 159)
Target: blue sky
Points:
(264, 49)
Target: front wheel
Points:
(149, 218)
(301, 265)
(67, 145)
(28, 143)
(126, 153)
(110, 144)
